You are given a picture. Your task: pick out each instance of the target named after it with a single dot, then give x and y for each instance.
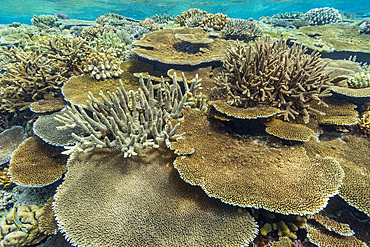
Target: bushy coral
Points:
(364, 123)
(101, 66)
(359, 80)
(271, 73)
(161, 19)
(322, 16)
(44, 21)
(111, 19)
(214, 21)
(241, 29)
(186, 15)
(150, 24)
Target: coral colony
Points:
(191, 130)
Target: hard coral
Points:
(271, 73)
(9, 141)
(29, 217)
(129, 121)
(241, 29)
(181, 19)
(109, 200)
(214, 21)
(364, 123)
(322, 16)
(101, 66)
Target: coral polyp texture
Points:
(28, 217)
(164, 47)
(271, 73)
(359, 80)
(129, 120)
(145, 203)
(322, 16)
(214, 21)
(36, 163)
(253, 172)
(10, 139)
(101, 66)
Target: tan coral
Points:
(331, 225)
(9, 141)
(11, 236)
(351, 151)
(251, 172)
(186, 15)
(5, 178)
(351, 92)
(109, 200)
(47, 223)
(364, 123)
(271, 73)
(36, 163)
(324, 238)
(102, 66)
(164, 47)
(214, 21)
(289, 131)
(77, 89)
(150, 24)
(48, 105)
(359, 80)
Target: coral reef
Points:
(11, 236)
(186, 15)
(147, 204)
(128, 120)
(36, 163)
(214, 21)
(101, 66)
(161, 19)
(164, 47)
(332, 225)
(359, 80)
(47, 222)
(150, 24)
(44, 21)
(61, 16)
(271, 73)
(322, 16)
(364, 123)
(48, 105)
(111, 19)
(5, 178)
(94, 31)
(9, 141)
(289, 131)
(288, 15)
(241, 29)
(253, 172)
(45, 127)
(114, 44)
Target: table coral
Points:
(164, 47)
(109, 200)
(36, 163)
(253, 172)
(271, 73)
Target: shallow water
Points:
(23, 10)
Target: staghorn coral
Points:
(146, 204)
(253, 172)
(181, 19)
(101, 66)
(28, 78)
(364, 123)
(36, 163)
(130, 120)
(214, 21)
(322, 16)
(164, 47)
(11, 236)
(241, 29)
(359, 80)
(9, 141)
(271, 73)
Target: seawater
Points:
(23, 10)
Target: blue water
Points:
(23, 10)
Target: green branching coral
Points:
(129, 121)
(271, 73)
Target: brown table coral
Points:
(253, 172)
(164, 47)
(109, 200)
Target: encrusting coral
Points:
(12, 236)
(271, 73)
(129, 120)
(109, 200)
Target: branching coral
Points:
(359, 80)
(130, 120)
(181, 19)
(101, 66)
(322, 16)
(241, 29)
(29, 77)
(271, 73)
